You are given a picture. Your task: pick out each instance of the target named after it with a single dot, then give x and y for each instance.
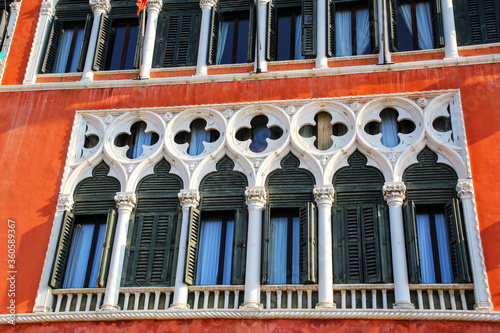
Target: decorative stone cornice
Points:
(256, 197)
(465, 188)
(47, 8)
(100, 5)
(125, 200)
(15, 6)
(189, 198)
(65, 203)
(323, 195)
(154, 5)
(204, 4)
(394, 193)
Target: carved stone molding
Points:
(207, 3)
(100, 5)
(65, 203)
(465, 189)
(189, 198)
(125, 200)
(324, 194)
(15, 6)
(256, 197)
(47, 8)
(422, 102)
(154, 5)
(394, 193)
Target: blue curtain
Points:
(425, 249)
(141, 138)
(63, 51)
(97, 257)
(295, 250)
(208, 252)
(228, 254)
(389, 128)
(221, 41)
(76, 269)
(198, 136)
(443, 249)
(424, 26)
(343, 33)
(298, 38)
(362, 32)
(278, 250)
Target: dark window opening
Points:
(415, 28)
(197, 136)
(123, 44)
(289, 34)
(259, 133)
(136, 139)
(323, 130)
(352, 29)
(232, 44)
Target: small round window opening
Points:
(196, 136)
(136, 140)
(323, 130)
(259, 133)
(389, 127)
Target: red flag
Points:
(140, 5)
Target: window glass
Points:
(124, 42)
(414, 26)
(284, 248)
(289, 35)
(352, 30)
(136, 139)
(232, 44)
(68, 51)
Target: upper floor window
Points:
(352, 29)
(477, 21)
(123, 44)
(289, 35)
(414, 25)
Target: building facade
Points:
(231, 164)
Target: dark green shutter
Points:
(85, 43)
(102, 46)
(458, 246)
(437, 23)
(308, 258)
(192, 246)
(109, 235)
(372, 268)
(330, 31)
(56, 278)
(374, 32)
(140, 44)
(308, 28)
(272, 26)
(384, 236)
(177, 238)
(412, 254)
(477, 21)
(239, 247)
(393, 25)
(52, 46)
(181, 35)
(353, 249)
(252, 28)
(214, 37)
(338, 240)
(266, 243)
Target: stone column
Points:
(153, 8)
(323, 195)
(256, 202)
(394, 194)
(42, 30)
(261, 40)
(99, 7)
(125, 202)
(206, 11)
(321, 26)
(450, 34)
(482, 294)
(44, 297)
(188, 199)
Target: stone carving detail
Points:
(355, 106)
(323, 160)
(394, 193)
(47, 8)
(290, 110)
(189, 198)
(209, 3)
(192, 166)
(129, 168)
(125, 200)
(168, 116)
(422, 102)
(65, 203)
(464, 188)
(108, 119)
(256, 196)
(154, 4)
(324, 194)
(102, 5)
(256, 162)
(15, 6)
(228, 113)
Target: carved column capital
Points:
(324, 195)
(262, 2)
(100, 6)
(47, 8)
(189, 198)
(154, 5)
(394, 193)
(65, 203)
(465, 189)
(15, 6)
(207, 4)
(256, 197)
(125, 200)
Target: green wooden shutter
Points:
(214, 37)
(338, 242)
(102, 46)
(140, 44)
(491, 24)
(330, 31)
(384, 236)
(309, 28)
(85, 43)
(374, 32)
(52, 46)
(437, 23)
(192, 246)
(252, 24)
(176, 244)
(239, 247)
(372, 269)
(56, 278)
(477, 21)
(109, 235)
(412, 254)
(160, 40)
(266, 242)
(458, 246)
(272, 27)
(393, 25)
(353, 249)
(181, 38)
(308, 258)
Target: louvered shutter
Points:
(52, 46)
(330, 31)
(192, 246)
(412, 254)
(353, 249)
(491, 24)
(266, 243)
(214, 37)
(384, 237)
(458, 246)
(272, 27)
(4, 19)
(102, 46)
(239, 247)
(56, 278)
(338, 240)
(140, 44)
(309, 28)
(477, 21)
(176, 244)
(181, 41)
(109, 235)
(252, 28)
(393, 25)
(372, 269)
(374, 32)
(308, 258)
(437, 23)
(85, 43)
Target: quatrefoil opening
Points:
(259, 133)
(196, 136)
(389, 127)
(443, 124)
(136, 139)
(91, 140)
(323, 130)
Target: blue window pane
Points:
(76, 52)
(63, 51)
(405, 35)
(278, 250)
(78, 259)
(97, 257)
(284, 33)
(208, 252)
(116, 52)
(242, 50)
(132, 43)
(228, 254)
(296, 250)
(225, 43)
(259, 142)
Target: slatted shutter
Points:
(102, 47)
(372, 268)
(56, 278)
(339, 267)
(308, 258)
(412, 254)
(272, 28)
(85, 43)
(393, 25)
(4, 19)
(353, 245)
(214, 37)
(374, 29)
(192, 246)
(309, 28)
(139, 45)
(53, 44)
(239, 247)
(266, 245)
(109, 235)
(330, 31)
(176, 243)
(456, 239)
(252, 28)
(437, 23)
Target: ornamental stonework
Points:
(256, 196)
(394, 193)
(189, 198)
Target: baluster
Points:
(167, 299)
(236, 298)
(344, 301)
(374, 298)
(299, 298)
(464, 301)
(278, 299)
(137, 296)
(420, 299)
(58, 303)
(289, 299)
(268, 299)
(206, 294)
(363, 299)
(431, 299)
(216, 299)
(353, 298)
(78, 302)
(309, 299)
(384, 299)
(146, 300)
(125, 301)
(442, 306)
(452, 299)
(226, 299)
(98, 302)
(69, 298)
(157, 300)
(196, 299)
(89, 301)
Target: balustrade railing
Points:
(145, 298)
(442, 296)
(215, 297)
(289, 296)
(363, 296)
(78, 300)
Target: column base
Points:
(42, 308)
(404, 306)
(326, 305)
(483, 306)
(251, 306)
(109, 307)
(178, 306)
